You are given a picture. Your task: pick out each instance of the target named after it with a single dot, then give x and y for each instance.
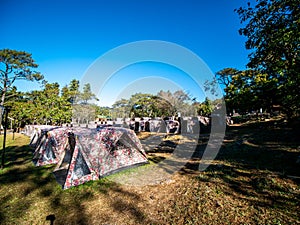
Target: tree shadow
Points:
(256, 163)
(24, 187)
(127, 202)
(166, 146)
(17, 155)
(155, 159)
(162, 151)
(27, 185)
(257, 146)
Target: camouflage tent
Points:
(84, 154)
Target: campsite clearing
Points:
(254, 180)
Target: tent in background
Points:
(36, 133)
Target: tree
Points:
(205, 108)
(272, 32)
(56, 108)
(163, 104)
(16, 102)
(83, 113)
(247, 90)
(87, 94)
(174, 102)
(139, 105)
(41, 106)
(121, 108)
(16, 65)
(224, 76)
(103, 111)
(240, 93)
(71, 91)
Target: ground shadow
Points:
(25, 187)
(256, 163)
(257, 146)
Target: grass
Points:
(254, 180)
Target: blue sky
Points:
(65, 37)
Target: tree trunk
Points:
(3, 95)
(4, 139)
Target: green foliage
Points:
(43, 107)
(87, 94)
(16, 65)
(139, 105)
(121, 108)
(172, 103)
(71, 92)
(224, 76)
(205, 108)
(103, 111)
(248, 90)
(81, 110)
(52, 108)
(142, 105)
(48, 106)
(272, 32)
(163, 104)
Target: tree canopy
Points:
(51, 105)
(273, 36)
(16, 65)
(71, 91)
(163, 104)
(87, 94)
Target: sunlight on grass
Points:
(19, 140)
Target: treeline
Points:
(163, 104)
(56, 106)
(51, 105)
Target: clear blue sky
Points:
(65, 37)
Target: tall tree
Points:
(142, 105)
(71, 91)
(83, 111)
(205, 108)
(224, 76)
(87, 94)
(174, 102)
(121, 108)
(247, 90)
(273, 34)
(43, 106)
(103, 111)
(16, 65)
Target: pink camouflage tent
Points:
(50, 145)
(84, 154)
